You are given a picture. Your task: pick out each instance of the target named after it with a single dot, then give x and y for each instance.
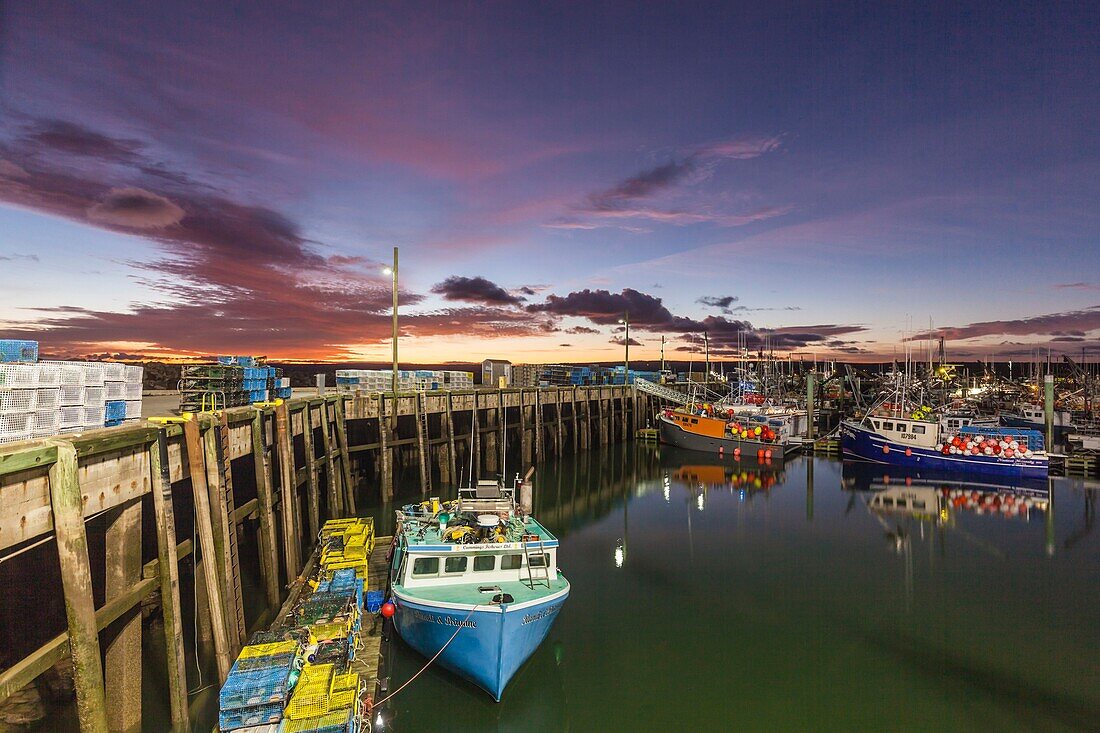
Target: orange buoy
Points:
(885, 449)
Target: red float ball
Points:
(885, 449)
(388, 609)
(908, 452)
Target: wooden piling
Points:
(269, 552)
(385, 454)
(76, 580)
(224, 529)
(332, 481)
(168, 575)
(559, 439)
(313, 498)
(573, 417)
(421, 415)
(206, 542)
(292, 557)
(475, 442)
(345, 460)
(450, 460)
(122, 667)
(539, 425)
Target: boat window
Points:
(510, 562)
(485, 562)
(918, 430)
(919, 504)
(542, 560)
(455, 564)
(694, 420)
(888, 426)
(876, 424)
(426, 566)
(901, 427)
(887, 501)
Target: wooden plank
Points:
(313, 495)
(203, 519)
(76, 580)
(291, 555)
(122, 668)
(269, 552)
(345, 460)
(168, 579)
(332, 481)
(14, 459)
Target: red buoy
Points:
(908, 451)
(388, 609)
(885, 449)
(767, 454)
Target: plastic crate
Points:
(245, 717)
(18, 376)
(133, 409)
(114, 410)
(132, 373)
(249, 688)
(115, 390)
(12, 350)
(49, 375)
(131, 390)
(337, 721)
(94, 417)
(312, 694)
(72, 373)
(268, 649)
(18, 400)
(94, 373)
(48, 398)
(113, 371)
(71, 394)
(270, 661)
(375, 599)
(16, 423)
(95, 396)
(14, 437)
(46, 422)
(71, 416)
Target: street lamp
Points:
(393, 272)
(625, 320)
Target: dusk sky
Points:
(185, 179)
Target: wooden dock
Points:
(304, 461)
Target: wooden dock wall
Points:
(51, 488)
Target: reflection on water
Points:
(711, 594)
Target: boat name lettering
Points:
(444, 620)
(548, 611)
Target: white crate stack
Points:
(381, 380)
(18, 401)
(50, 397)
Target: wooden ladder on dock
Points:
(535, 570)
(233, 567)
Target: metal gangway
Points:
(659, 390)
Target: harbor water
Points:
(711, 595)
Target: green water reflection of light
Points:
(709, 595)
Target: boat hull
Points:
(492, 642)
(858, 443)
(674, 435)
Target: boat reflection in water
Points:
(932, 496)
(703, 472)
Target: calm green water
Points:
(782, 600)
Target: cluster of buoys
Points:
(990, 503)
(1004, 446)
(750, 432)
(746, 480)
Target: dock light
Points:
(620, 553)
(700, 502)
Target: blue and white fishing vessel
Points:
(476, 582)
(915, 442)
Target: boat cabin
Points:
(905, 431)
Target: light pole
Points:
(625, 320)
(393, 271)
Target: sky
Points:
(818, 179)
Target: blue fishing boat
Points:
(911, 442)
(476, 583)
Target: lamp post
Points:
(393, 272)
(625, 320)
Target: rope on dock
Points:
(409, 681)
